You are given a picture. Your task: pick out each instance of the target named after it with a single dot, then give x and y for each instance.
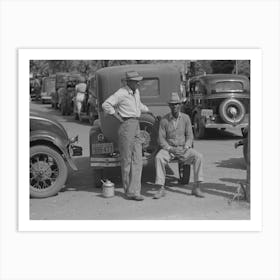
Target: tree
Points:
(222, 66)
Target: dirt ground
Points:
(224, 168)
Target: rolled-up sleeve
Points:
(110, 103)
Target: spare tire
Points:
(232, 111)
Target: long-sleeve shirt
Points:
(125, 102)
(175, 132)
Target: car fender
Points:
(58, 143)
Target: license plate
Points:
(102, 148)
(206, 112)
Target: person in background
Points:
(176, 141)
(80, 97)
(125, 105)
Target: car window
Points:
(198, 88)
(149, 87)
(229, 86)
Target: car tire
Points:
(54, 171)
(149, 135)
(198, 128)
(225, 114)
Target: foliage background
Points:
(88, 67)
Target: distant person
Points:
(125, 105)
(80, 97)
(176, 141)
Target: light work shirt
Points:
(124, 102)
(175, 132)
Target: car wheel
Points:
(149, 135)
(48, 171)
(232, 111)
(198, 128)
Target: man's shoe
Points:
(197, 192)
(137, 197)
(160, 193)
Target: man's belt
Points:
(130, 118)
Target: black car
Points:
(50, 151)
(218, 101)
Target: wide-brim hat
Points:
(133, 76)
(174, 98)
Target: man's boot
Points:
(196, 191)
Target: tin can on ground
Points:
(108, 188)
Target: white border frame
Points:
(254, 55)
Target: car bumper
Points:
(225, 125)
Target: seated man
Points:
(175, 139)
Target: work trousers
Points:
(130, 147)
(191, 157)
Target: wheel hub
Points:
(232, 112)
(43, 171)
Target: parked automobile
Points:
(34, 88)
(217, 101)
(60, 96)
(48, 87)
(159, 80)
(50, 152)
(85, 101)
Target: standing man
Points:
(125, 105)
(176, 139)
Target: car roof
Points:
(111, 77)
(162, 68)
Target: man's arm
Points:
(109, 104)
(162, 136)
(189, 133)
(143, 108)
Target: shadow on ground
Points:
(233, 163)
(218, 134)
(83, 180)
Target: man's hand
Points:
(151, 113)
(118, 117)
(177, 151)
